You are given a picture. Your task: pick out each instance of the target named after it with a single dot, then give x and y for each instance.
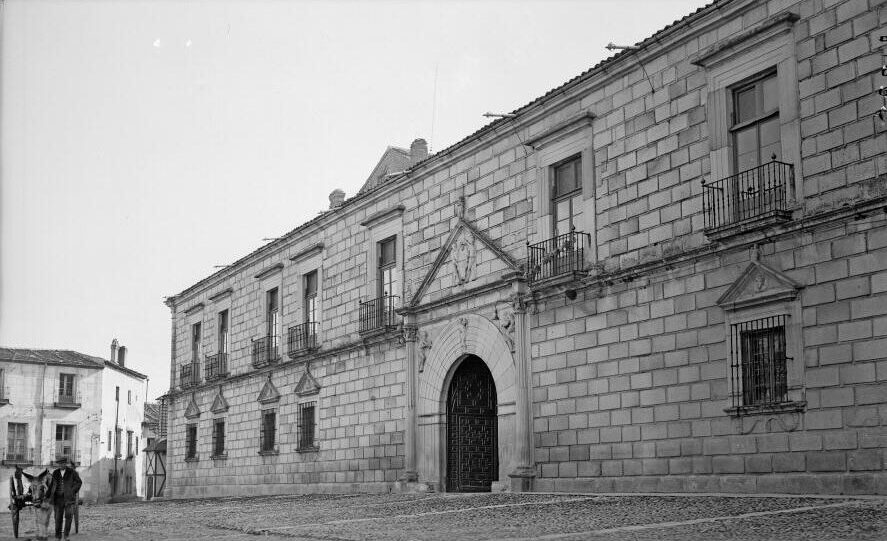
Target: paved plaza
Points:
(450, 517)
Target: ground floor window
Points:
(307, 426)
(191, 441)
(759, 361)
(268, 431)
(219, 437)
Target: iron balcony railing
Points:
(18, 455)
(68, 400)
(378, 314)
(189, 375)
(216, 366)
(264, 351)
(558, 256)
(65, 449)
(302, 337)
(761, 192)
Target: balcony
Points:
(189, 375)
(378, 315)
(747, 200)
(65, 449)
(67, 401)
(264, 351)
(302, 338)
(19, 456)
(216, 367)
(559, 257)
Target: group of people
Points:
(61, 495)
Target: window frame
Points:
(218, 443)
(196, 341)
(191, 442)
(72, 378)
(224, 328)
(272, 316)
(755, 82)
(264, 448)
(11, 440)
(388, 268)
(568, 196)
(311, 444)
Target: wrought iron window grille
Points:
(758, 366)
(306, 427)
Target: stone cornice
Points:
(269, 271)
(221, 294)
(194, 309)
(561, 130)
(383, 216)
(315, 248)
(728, 47)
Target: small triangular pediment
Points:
(192, 411)
(307, 385)
(461, 251)
(758, 284)
(220, 405)
(268, 393)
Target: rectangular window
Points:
(195, 343)
(118, 437)
(311, 298)
(66, 388)
(223, 331)
(219, 437)
(272, 319)
(306, 425)
(566, 195)
(110, 438)
(129, 448)
(755, 123)
(387, 266)
(759, 361)
(64, 441)
(129, 397)
(17, 440)
(191, 441)
(268, 429)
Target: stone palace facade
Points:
(667, 274)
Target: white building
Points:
(56, 403)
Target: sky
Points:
(144, 142)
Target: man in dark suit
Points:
(65, 486)
(17, 497)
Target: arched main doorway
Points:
(472, 426)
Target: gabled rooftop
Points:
(62, 357)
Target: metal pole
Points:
(116, 438)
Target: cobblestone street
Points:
(450, 517)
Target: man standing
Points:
(17, 497)
(66, 484)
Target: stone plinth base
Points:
(412, 487)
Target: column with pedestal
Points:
(410, 475)
(525, 472)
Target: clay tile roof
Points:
(59, 357)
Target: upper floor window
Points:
(66, 387)
(311, 298)
(17, 441)
(109, 440)
(64, 441)
(223, 331)
(566, 195)
(129, 448)
(195, 342)
(129, 397)
(755, 122)
(387, 267)
(272, 316)
(118, 437)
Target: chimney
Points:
(418, 151)
(114, 350)
(337, 199)
(121, 355)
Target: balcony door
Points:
(64, 441)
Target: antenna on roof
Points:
(268, 239)
(433, 109)
(499, 115)
(221, 266)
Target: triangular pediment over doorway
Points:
(466, 258)
(758, 284)
(268, 393)
(192, 411)
(220, 405)
(307, 385)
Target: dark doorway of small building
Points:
(472, 426)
